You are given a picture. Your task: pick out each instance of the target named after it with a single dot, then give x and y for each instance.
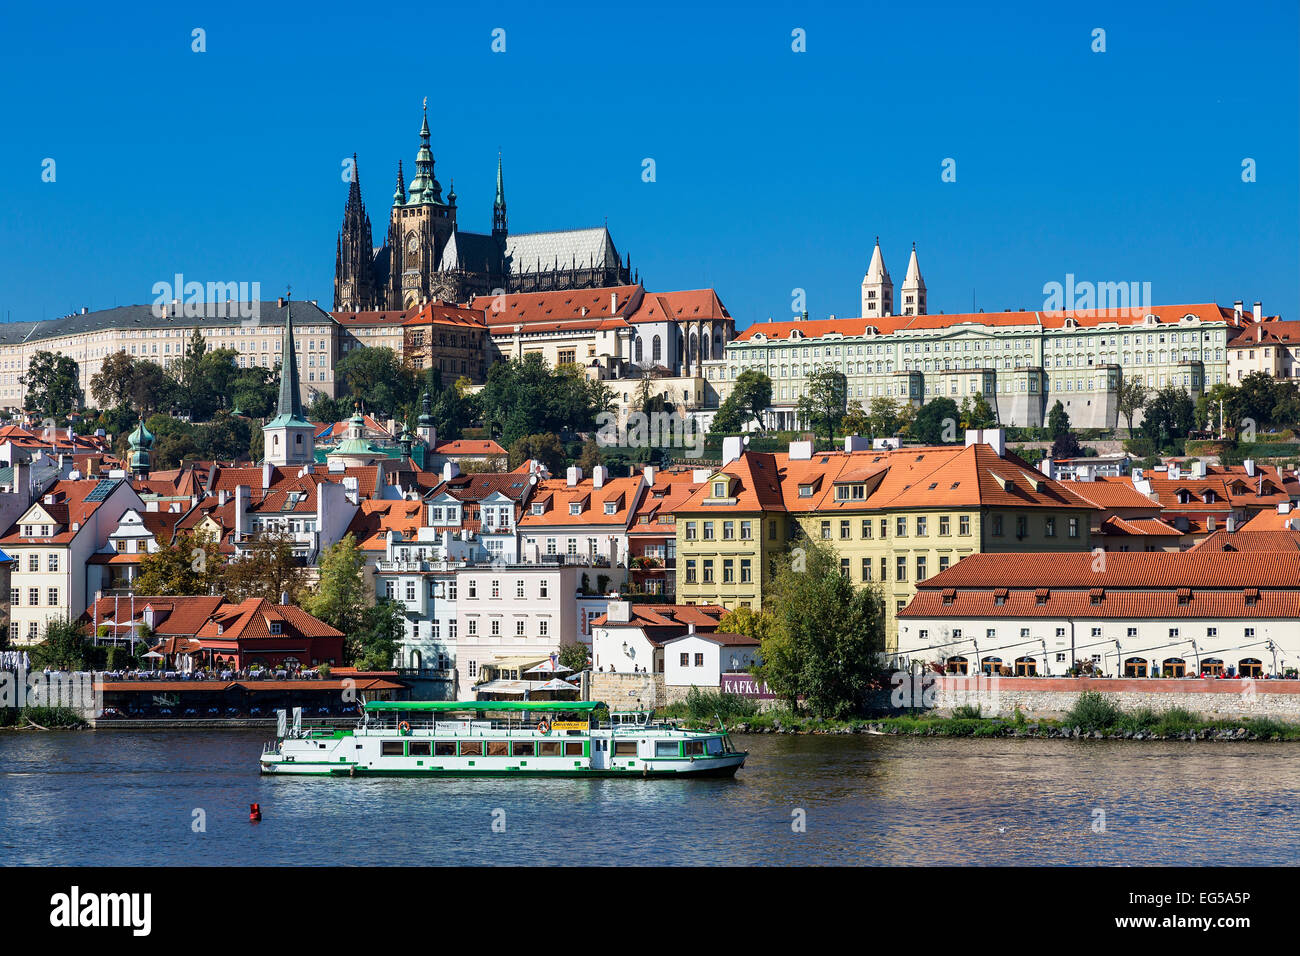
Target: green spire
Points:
(499, 206)
(288, 410)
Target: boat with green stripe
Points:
(499, 738)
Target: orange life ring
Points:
(404, 728)
(543, 727)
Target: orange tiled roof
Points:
(1247, 540)
(1089, 318)
(556, 495)
(565, 308)
(375, 518)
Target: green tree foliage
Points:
(591, 456)
(374, 646)
(380, 380)
(525, 397)
(824, 402)
(1169, 416)
(110, 387)
(546, 448)
(255, 390)
(191, 565)
(885, 419)
(53, 385)
(937, 423)
(745, 620)
(976, 412)
(826, 637)
(63, 647)
(1131, 399)
(750, 395)
(340, 598)
(1064, 444)
(268, 570)
(574, 656)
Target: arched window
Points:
(1173, 667)
(1135, 667)
(639, 353)
(956, 665)
(656, 350)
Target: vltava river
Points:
(131, 799)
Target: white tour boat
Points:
(464, 738)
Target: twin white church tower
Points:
(878, 288)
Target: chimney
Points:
(649, 475)
(280, 302)
(856, 443)
(284, 597)
(573, 475)
(1231, 523)
(221, 497)
(599, 475)
(613, 303)
(732, 447)
(1198, 469)
(618, 612)
(1237, 308)
(1249, 465)
(1283, 507)
(242, 495)
(450, 470)
(267, 471)
(799, 450)
(1259, 311)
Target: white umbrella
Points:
(151, 654)
(549, 667)
(556, 683)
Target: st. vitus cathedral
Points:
(427, 256)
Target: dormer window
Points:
(611, 507)
(719, 489)
(575, 508)
(539, 509)
(276, 627)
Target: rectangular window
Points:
(945, 525)
(699, 660)
(963, 524)
(708, 572)
(845, 530)
(746, 571)
(920, 568)
(1074, 527)
(690, 571)
(920, 526)
(708, 531)
(392, 748)
(728, 571)
(685, 659)
(900, 569)
(690, 531)
(746, 530)
(901, 529)
(521, 748)
(625, 748)
(866, 527)
(471, 748)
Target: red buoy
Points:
(254, 813)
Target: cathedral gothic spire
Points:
(499, 206)
(877, 287)
(912, 291)
(354, 277)
(399, 194)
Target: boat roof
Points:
(481, 705)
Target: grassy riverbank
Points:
(40, 718)
(1094, 717)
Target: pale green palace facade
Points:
(1021, 362)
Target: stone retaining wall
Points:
(1053, 696)
(630, 691)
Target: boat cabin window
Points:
(420, 748)
(548, 748)
(665, 748)
(392, 748)
(713, 745)
(446, 748)
(694, 748)
(573, 748)
(625, 748)
(471, 748)
(498, 748)
(521, 748)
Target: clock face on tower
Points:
(412, 244)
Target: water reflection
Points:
(123, 798)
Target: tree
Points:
(110, 387)
(936, 423)
(374, 646)
(574, 656)
(546, 448)
(256, 389)
(1131, 398)
(591, 456)
(1169, 417)
(884, 419)
(525, 397)
(826, 637)
(981, 414)
(745, 620)
(753, 394)
(340, 598)
(53, 385)
(1064, 444)
(825, 401)
(380, 379)
(64, 646)
(267, 570)
(151, 387)
(856, 421)
(189, 566)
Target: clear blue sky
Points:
(775, 169)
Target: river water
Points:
(133, 798)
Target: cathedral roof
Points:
(471, 252)
(572, 248)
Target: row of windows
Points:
(494, 627)
(729, 529)
(921, 525)
(728, 571)
(33, 597)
